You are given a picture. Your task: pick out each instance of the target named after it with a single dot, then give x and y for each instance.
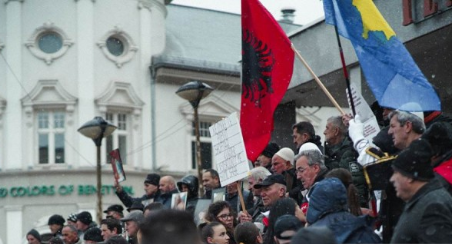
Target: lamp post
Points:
(97, 129)
(193, 92)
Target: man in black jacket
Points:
(151, 189)
(167, 187)
(427, 217)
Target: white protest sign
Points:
(366, 115)
(229, 150)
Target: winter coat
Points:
(348, 228)
(234, 201)
(427, 217)
(328, 207)
(257, 210)
(165, 199)
(343, 155)
(305, 202)
(127, 200)
(293, 184)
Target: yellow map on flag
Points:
(372, 19)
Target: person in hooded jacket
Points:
(328, 207)
(189, 184)
(56, 223)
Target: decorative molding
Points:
(48, 94)
(7, 1)
(211, 108)
(33, 46)
(120, 96)
(130, 48)
(150, 4)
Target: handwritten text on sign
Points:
(229, 150)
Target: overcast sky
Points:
(306, 10)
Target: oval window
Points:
(115, 46)
(50, 42)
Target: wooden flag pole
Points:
(239, 189)
(328, 94)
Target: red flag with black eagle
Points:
(267, 66)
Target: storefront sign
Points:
(62, 190)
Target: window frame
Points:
(202, 139)
(127, 132)
(51, 132)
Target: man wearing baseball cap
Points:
(427, 216)
(272, 188)
(151, 189)
(114, 211)
(132, 221)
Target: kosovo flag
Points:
(267, 66)
(393, 76)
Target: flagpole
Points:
(344, 69)
(327, 93)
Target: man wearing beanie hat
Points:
(56, 223)
(282, 160)
(427, 217)
(265, 158)
(151, 189)
(33, 237)
(84, 223)
(282, 163)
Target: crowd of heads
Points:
(281, 210)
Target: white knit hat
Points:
(308, 146)
(286, 154)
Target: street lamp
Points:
(97, 129)
(193, 92)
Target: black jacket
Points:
(127, 200)
(165, 198)
(427, 217)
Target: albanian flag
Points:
(267, 66)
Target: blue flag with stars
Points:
(393, 76)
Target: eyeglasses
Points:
(109, 217)
(301, 170)
(225, 216)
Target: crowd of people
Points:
(395, 188)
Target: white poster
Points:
(366, 115)
(229, 150)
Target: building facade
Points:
(65, 62)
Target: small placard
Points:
(229, 150)
(116, 164)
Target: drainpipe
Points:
(153, 137)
